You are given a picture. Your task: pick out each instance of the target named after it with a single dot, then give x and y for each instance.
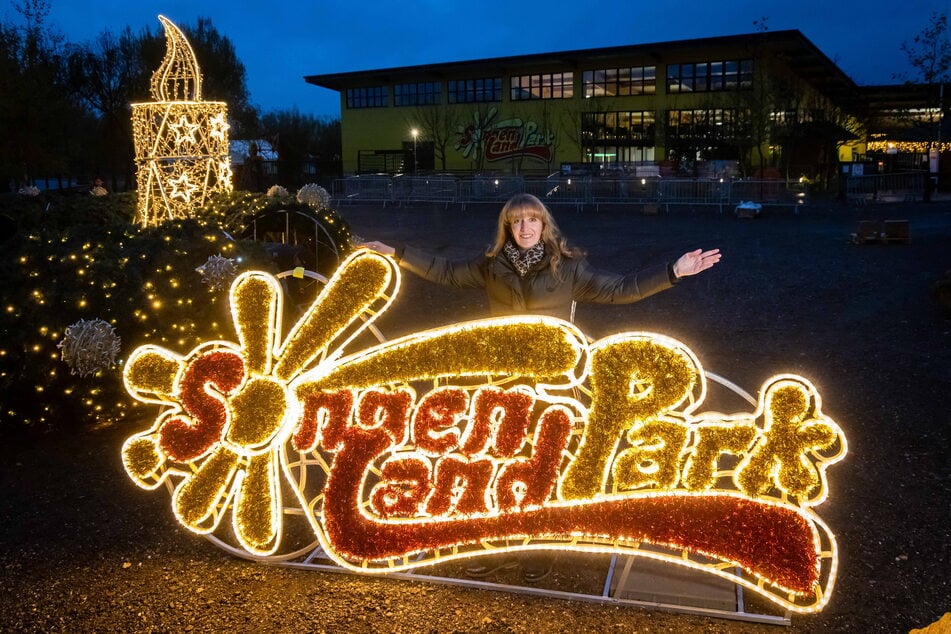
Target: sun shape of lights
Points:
(181, 141)
(495, 435)
(228, 404)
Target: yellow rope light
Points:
(507, 434)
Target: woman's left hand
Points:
(692, 262)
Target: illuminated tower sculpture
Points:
(181, 142)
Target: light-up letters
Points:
(181, 142)
(504, 434)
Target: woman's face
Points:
(526, 230)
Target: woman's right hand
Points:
(379, 247)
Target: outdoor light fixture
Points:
(415, 134)
(181, 142)
(506, 434)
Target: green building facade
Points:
(764, 103)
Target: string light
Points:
(75, 267)
(912, 147)
(528, 437)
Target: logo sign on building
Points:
(508, 139)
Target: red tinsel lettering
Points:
(537, 475)
(435, 419)
(326, 415)
(504, 414)
(453, 473)
(404, 487)
(186, 438)
(783, 552)
(387, 411)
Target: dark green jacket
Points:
(538, 293)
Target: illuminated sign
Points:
(504, 434)
(181, 142)
(499, 140)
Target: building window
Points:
(710, 76)
(611, 82)
(372, 97)
(708, 126)
(625, 128)
(618, 138)
(545, 86)
(426, 93)
(475, 90)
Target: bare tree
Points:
(574, 124)
(470, 133)
(929, 54)
(438, 124)
(549, 125)
(40, 120)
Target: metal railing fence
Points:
(897, 187)
(559, 189)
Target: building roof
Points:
(890, 110)
(903, 96)
(796, 49)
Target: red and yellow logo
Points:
(502, 434)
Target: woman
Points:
(531, 269)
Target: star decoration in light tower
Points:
(185, 131)
(182, 188)
(219, 127)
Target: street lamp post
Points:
(415, 134)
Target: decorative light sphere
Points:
(217, 272)
(314, 195)
(277, 191)
(89, 346)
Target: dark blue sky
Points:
(281, 41)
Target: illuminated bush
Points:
(81, 257)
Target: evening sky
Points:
(281, 42)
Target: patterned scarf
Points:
(524, 260)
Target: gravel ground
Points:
(82, 549)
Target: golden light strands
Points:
(915, 147)
(497, 435)
(181, 141)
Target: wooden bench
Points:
(882, 231)
(896, 231)
(867, 231)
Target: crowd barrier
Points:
(877, 188)
(649, 192)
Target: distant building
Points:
(767, 102)
(906, 127)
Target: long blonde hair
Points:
(526, 205)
